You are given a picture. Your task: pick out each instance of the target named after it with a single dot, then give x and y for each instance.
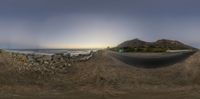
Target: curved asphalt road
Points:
(150, 61)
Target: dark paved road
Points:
(152, 60)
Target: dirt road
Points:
(150, 60)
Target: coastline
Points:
(44, 61)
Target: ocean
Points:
(72, 52)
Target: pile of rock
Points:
(59, 62)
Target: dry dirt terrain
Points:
(102, 77)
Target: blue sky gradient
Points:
(96, 23)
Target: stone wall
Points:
(46, 63)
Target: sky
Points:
(96, 23)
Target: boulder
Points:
(57, 57)
(46, 62)
(47, 57)
(30, 58)
(67, 56)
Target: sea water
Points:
(72, 52)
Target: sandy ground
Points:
(104, 77)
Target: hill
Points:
(171, 44)
(135, 43)
(162, 45)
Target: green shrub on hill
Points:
(162, 45)
(148, 49)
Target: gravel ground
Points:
(105, 77)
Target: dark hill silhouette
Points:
(137, 45)
(171, 44)
(134, 43)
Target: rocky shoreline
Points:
(58, 62)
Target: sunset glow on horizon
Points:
(96, 24)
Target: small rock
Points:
(46, 62)
(69, 65)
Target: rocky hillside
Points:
(135, 43)
(170, 44)
(162, 45)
